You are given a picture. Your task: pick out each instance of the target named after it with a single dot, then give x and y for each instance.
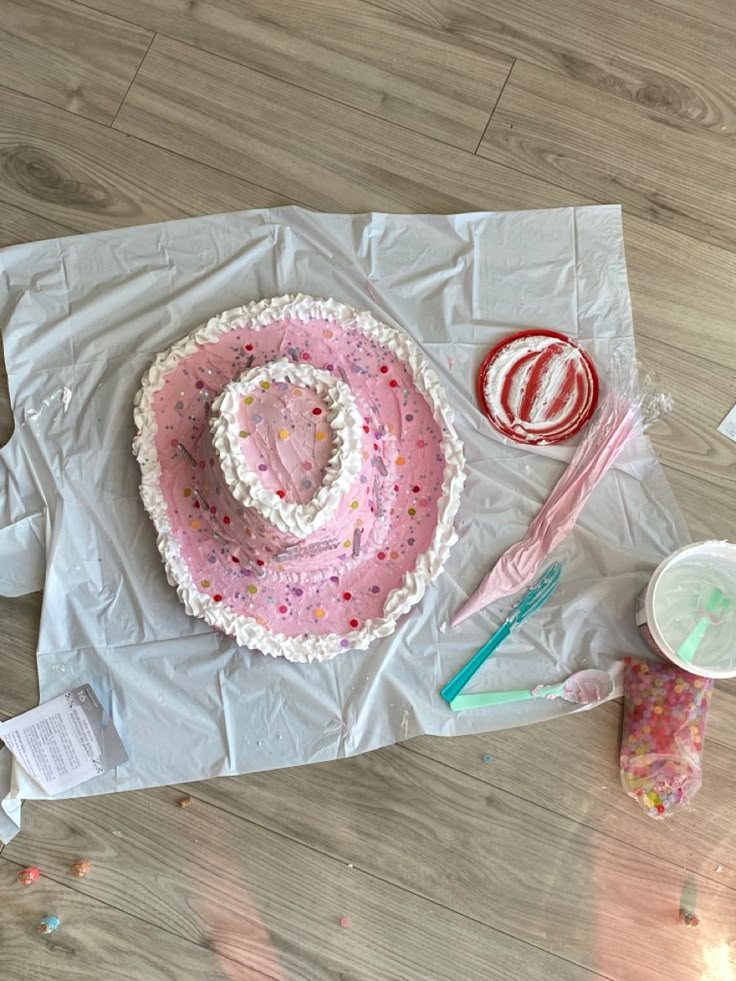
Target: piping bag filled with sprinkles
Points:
(665, 715)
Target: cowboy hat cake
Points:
(302, 471)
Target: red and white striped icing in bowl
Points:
(538, 386)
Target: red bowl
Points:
(524, 411)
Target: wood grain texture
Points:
(678, 283)
(90, 177)
(707, 507)
(269, 904)
(18, 226)
(700, 462)
(658, 58)
(681, 290)
(421, 78)
(492, 855)
(721, 12)
(66, 54)
(702, 393)
(277, 135)
(577, 776)
(19, 620)
(94, 941)
(569, 134)
(7, 425)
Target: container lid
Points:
(538, 386)
(692, 608)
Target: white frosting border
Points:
(246, 631)
(343, 466)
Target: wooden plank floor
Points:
(530, 867)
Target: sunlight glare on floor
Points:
(718, 963)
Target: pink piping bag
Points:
(619, 417)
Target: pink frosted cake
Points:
(301, 468)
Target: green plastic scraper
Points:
(715, 610)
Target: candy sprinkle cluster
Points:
(665, 715)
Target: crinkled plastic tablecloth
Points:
(82, 318)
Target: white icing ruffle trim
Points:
(245, 630)
(342, 468)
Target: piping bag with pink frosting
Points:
(621, 415)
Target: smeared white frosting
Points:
(246, 631)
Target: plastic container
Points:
(665, 716)
(671, 606)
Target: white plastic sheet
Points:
(82, 318)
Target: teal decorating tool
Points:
(532, 601)
(586, 687)
(716, 609)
